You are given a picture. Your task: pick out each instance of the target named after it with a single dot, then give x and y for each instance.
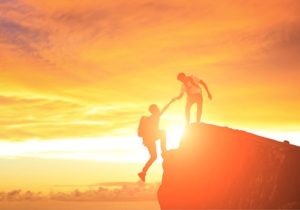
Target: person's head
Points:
(181, 77)
(153, 109)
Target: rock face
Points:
(218, 167)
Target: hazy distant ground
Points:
(62, 205)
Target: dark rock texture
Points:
(218, 167)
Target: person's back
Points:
(152, 127)
(149, 126)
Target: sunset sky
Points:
(76, 76)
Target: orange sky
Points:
(87, 70)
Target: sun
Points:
(174, 134)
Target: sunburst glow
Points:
(76, 76)
(174, 135)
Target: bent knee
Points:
(153, 157)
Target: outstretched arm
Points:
(206, 88)
(180, 94)
(173, 99)
(166, 107)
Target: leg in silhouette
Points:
(199, 108)
(188, 105)
(162, 137)
(153, 155)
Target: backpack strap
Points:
(190, 79)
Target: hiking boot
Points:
(142, 176)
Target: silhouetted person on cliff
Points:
(149, 130)
(191, 86)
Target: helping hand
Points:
(174, 99)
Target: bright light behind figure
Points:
(105, 149)
(174, 135)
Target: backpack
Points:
(190, 79)
(143, 126)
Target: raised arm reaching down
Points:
(179, 96)
(166, 107)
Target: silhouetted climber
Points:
(190, 86)
(149, 130)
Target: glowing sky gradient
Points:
(85, 71)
